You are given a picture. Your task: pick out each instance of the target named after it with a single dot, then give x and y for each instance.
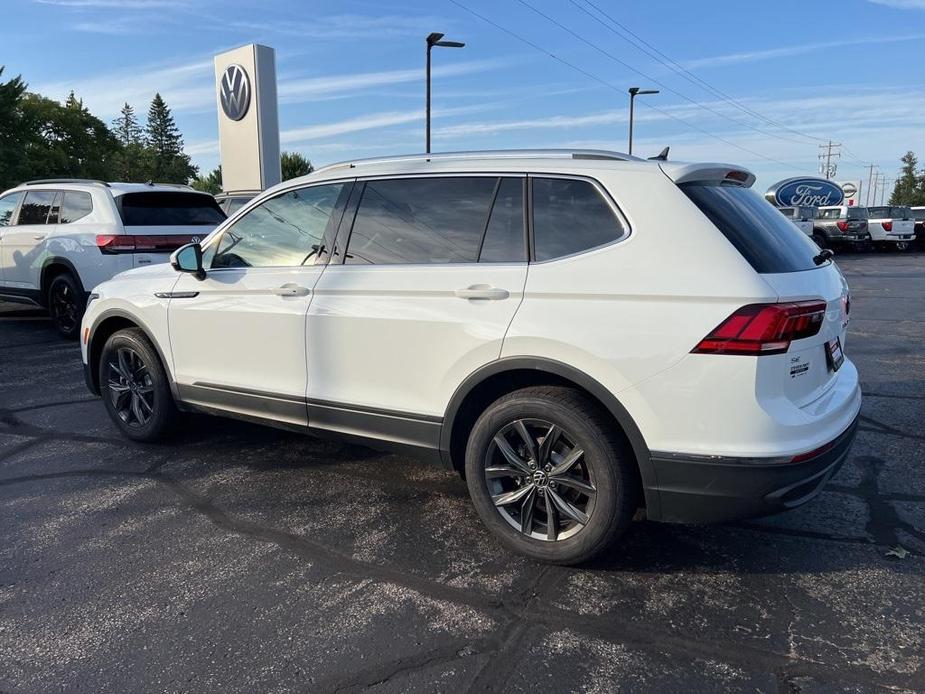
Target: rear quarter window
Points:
(169, 209)
(764, 237)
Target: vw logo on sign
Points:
(235, 92)
(805, 190)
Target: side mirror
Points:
(188, 258)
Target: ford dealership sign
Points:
(805, 190)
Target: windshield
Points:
(764, 237)
(169, 209)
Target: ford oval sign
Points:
(810, 191)
(235, 92)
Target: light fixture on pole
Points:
(633, 92)
(434, 39)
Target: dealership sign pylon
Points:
(248, 118)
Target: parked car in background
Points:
(918, 214)
(232, 202)
(515, 315)
(59, 238)
(802, 216)
(891, 226)
(839, 225)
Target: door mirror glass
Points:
(188, 258)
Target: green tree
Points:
(211, 183)
(65, 140)
(167, 162)
(909, 183)
(13, 132)
(131, 162)
(293, 165)
(126, 127)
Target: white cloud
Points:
(346, 26)
(901, 4)
(115, 4)
(771, 53)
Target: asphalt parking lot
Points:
(246, 559)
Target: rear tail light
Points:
(842, 225)
(759, 329)
(126, 243)
(887, 226)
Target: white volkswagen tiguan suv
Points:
(578, 333)
(59, 238)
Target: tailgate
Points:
(806, 369)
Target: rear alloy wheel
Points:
(65, 305)
(134, 386)
(549, 475)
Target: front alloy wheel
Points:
(130, 388)
(538, 481)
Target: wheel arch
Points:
(51, 268)
(105, 325)
(505, 375)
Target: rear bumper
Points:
(709, 489)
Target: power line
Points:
(615, 88)
(661, 84)
(657, 55)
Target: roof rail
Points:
(67, 180)
(493, 154)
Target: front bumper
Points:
(703, 489)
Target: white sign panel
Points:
(248, 120)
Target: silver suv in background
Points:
(802, 216)
(891, 226)
(839, 225)
(232, 202)
(59, 238)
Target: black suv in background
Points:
(918, 214)
(840, 225)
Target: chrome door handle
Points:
(482, 291)
(290, 289)
(39, 237)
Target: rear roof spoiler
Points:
(713, 172)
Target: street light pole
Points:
(433, 39)
(633, 91)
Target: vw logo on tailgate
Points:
(235, 92)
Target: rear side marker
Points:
(760, 329)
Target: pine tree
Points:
(904, 192)
(14, 132)
(294, 164)
(126, 126)
(164, 144)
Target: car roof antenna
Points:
(661, 156)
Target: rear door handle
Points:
(39, 237)
(290, 289)
(482, 291)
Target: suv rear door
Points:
(427, 275)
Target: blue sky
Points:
(759, 84)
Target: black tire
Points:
(66, 305)
(606, 464)
(820, 240)
(130, 368)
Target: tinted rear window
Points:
(919, 214)
(764, 237)
(901, 213)
(169, 209)
(858, 213)
(879, 212)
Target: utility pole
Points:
(886, 182)
(829, 169)
(870, 180)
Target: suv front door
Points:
(23, 242)
(238, 336)
(419, 297)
